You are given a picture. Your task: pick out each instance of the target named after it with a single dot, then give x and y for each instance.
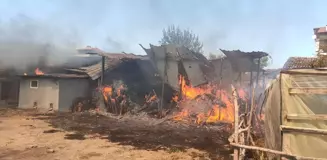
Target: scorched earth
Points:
(30, 135)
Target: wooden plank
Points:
(322, 117)
(283, 154)
(305, 72)
(307, 90)
(236, 123)
(302, 130)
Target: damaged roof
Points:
(241, 54)
(173, 52)
(299, 63)
(195, 64)
(243, 61)
(111, 61)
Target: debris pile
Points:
(206, 104)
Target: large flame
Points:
(217, 113)
(38, 72)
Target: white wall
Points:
(46, 93)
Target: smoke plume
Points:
(25, 42)
(281, 28)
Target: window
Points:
(34, 84)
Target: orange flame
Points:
(152, 98)
(38, 72)
(106, 91)
(218, 113)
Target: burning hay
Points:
(115, 98)
(206, 104)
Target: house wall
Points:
(46, 93)
(70, 89)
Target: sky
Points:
(282, 28)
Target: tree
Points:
(264, 61)
(177, 36)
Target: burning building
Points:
(121, 77)
(52, 90)
(61, 88)
(171, 61)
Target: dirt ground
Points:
(34, 136)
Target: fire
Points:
(262, 117)
(107, 91)
(222, 112)
(150, 98)
(38, 72)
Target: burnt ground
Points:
(89, 136)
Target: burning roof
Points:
(57, 75)
(111, 61)
(39, 73)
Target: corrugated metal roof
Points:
(299, 63)
(243, 61)
(57, 75)
(241, 54)
(111, 61)
(173, 52)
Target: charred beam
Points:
(102, 69)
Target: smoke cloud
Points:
(25, 42)
(281, 28)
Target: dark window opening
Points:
(34, 84)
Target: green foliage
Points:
(264, 61)
(186, 38)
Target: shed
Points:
(134, 71)
(235, 65)
(295, 110)
(60, 90)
